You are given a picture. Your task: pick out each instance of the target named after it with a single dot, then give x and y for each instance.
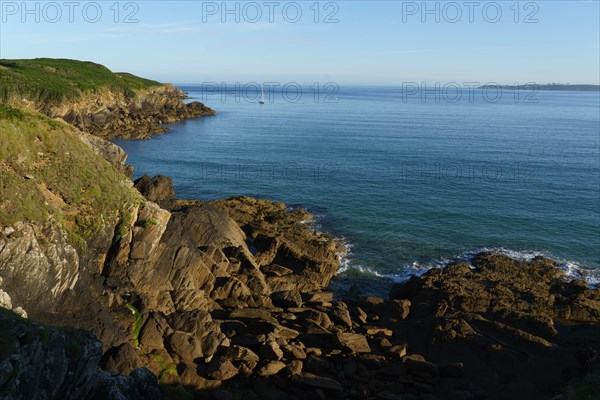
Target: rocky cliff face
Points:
(138, 117)
(228, 299)
(39, 362)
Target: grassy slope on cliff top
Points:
(53, 81)
(46, 170)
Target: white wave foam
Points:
(573, 270)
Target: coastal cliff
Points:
(94, 99)
(228, 299)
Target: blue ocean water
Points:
(407, 181)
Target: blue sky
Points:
(372, 42)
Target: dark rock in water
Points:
(158, 189)
(498, 314)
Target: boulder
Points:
(354, 342)
(158, 189)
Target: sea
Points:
(409, 177)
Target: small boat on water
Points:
(262, 96)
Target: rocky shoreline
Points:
(138, 117)
(229, 299)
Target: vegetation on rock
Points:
(47, 171)
(55, 81)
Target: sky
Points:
(347, 42)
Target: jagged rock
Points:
(111, 152)
(123, 359)
(220, 368)
(354, 342)
(158, 189)
(271, 351)
(39, 362)
(517, 305)
(52, 267)
(206, 281)
(341, 316)
(376, 330)
(294, 368)
(318, 297)
(190, 378)
(239, 353)
(271, 368)
(211, 342)
(285, 299)
(124, 117)
(185, 345)
(318, 318)
(395, 308)
(293, 352)
(153, 332)
(397, 351)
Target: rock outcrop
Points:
(44, 363)
(158, 189)
(113, 115)
(228, 299)
(521, 328)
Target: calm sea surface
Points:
(407, 181)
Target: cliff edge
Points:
(94, 99)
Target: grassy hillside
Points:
(53, 81)
(45, 169)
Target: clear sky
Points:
(372, 42)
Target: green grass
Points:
(46, 170)
(137, 324)
(53, 81)
(150, 222)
